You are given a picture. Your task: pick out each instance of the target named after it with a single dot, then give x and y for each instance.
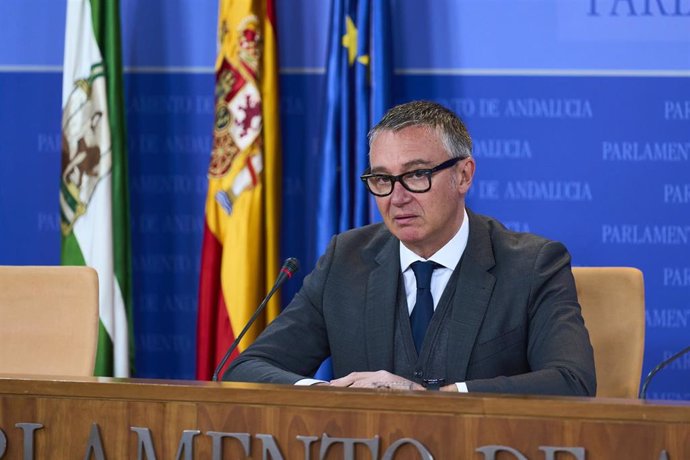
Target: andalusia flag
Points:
(94, 203)
(240, 246)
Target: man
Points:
(498, 314)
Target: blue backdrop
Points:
(580, 111)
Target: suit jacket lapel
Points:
(382, 288)
(472, 295)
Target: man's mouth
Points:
(404, 218)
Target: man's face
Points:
(424, 222)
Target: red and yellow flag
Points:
(240, 246)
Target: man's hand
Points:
(378, 379)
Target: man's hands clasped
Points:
(378, 379)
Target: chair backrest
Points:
(612, 300)
(48, 320)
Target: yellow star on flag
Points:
(350, 42)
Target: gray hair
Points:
(449, 127)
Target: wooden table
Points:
(64, 418)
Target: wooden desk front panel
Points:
(450, 426)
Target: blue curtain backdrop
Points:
(581, 123)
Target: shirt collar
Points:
(448, 256)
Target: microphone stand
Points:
(661, 365)
(290, 266)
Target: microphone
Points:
(290, 266)
(661, 365)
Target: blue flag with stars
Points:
(358, 93)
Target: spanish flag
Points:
(240, 246)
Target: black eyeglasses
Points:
(417, 181)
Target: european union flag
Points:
(357, 94)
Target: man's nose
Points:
(399, 194)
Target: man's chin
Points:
(405, 230)
(408, 238)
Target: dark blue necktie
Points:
(424, 306)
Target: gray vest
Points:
(432, 360)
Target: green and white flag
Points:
(94, 200)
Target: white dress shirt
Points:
(447, 257)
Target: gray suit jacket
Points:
(515, 324)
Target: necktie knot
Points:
(422, 273)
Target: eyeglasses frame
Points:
(399, 178)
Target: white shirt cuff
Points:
(309, 382)
(462, 387)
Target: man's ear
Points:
(466, 174)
